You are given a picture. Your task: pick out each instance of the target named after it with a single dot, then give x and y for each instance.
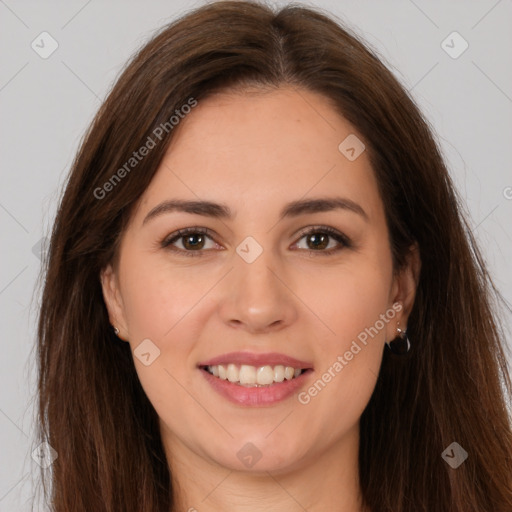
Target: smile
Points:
(256, 380)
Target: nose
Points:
(259, 296)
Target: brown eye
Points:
(319, 238)
(192, 241)
(318, 241)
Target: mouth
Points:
(255, 379)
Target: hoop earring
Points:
(401, 345)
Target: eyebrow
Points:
(222, 211)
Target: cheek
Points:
(161, 309)
(349, 298)
(163, 305)
(355, 306)
(157, 298)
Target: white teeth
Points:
(265, 375)
(233, 373)
(251, 376)
(247, 374)
(279, 373)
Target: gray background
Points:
(46, 105)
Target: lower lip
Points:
(254, 396)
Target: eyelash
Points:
(167, 242)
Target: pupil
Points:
(318, 238)
(191, 237)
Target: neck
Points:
(325, 481)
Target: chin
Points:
(257, 454)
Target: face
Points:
(270, 278)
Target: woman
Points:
(261, 293)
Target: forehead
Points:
(251, 150)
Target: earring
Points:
(116, 331)
(401, 344)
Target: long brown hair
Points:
(453, 386)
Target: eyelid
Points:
(167, 242)
(322, 229)
(341, 238)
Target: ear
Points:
(403, 290)
(113, 300)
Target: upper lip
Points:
(252, 359)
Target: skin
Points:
(255, 152)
